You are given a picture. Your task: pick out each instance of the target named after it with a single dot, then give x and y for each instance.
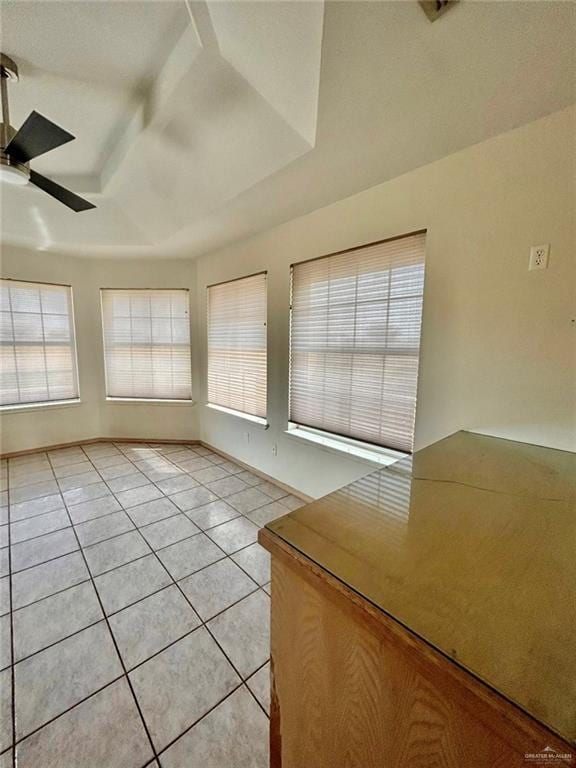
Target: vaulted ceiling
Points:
(198, 123)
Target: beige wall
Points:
(94, 416)
(498, 347)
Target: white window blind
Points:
(355, 341)
(147, 344)
(237, 345)
(38, 352)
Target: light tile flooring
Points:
(134, 609)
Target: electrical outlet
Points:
(275, 450)
(539, 257)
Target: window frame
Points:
(295, 428)
(226, 409)
(131, 400)
(27, 406)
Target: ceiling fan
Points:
(36, 136)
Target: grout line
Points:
(65, 712)
(39, 536)
(122, 509)
(61, 639)
(205, 624)
(201, 625)
(256, 699)
(189, 728)
(34, 498)
(220, 498)
(42, 562)
(65, 506)
(58, 591)
(84, 581)
(174, 583)
(190, 604)
(11, 606)
(33, 517)
(193, 609)
(140, 557)
(113, 638)
(115, 568)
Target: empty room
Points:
(287, 383)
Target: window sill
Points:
(354, 449)
(47, 406)
(239, 414)
(148, 401)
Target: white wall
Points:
(94, 416)
(498, 346)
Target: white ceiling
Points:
(86, 64)
(199, 123)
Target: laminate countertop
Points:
(470, 544)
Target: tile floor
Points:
(134, 609)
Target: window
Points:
(38, 351)
(237, 345)
(147, 344)
(355, 341)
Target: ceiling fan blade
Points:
(36, 136)
(60, 193)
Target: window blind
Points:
(147, 344)
(355, 341)
(38, 353)
(237, 345)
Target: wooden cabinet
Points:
(375, 667)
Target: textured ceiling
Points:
(199, 123)
(85, 64)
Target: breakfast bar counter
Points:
(425, 615)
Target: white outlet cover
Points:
(539, 256)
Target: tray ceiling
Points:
(198, 123)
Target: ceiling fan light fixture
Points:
(15, 174)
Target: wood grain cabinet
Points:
(425, 616)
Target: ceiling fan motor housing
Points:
(19, 168)
(9, 72)
(8, 68)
